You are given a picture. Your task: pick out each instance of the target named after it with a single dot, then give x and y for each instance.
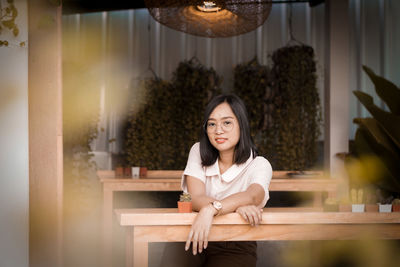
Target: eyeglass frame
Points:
(222, 127)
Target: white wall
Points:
(14, 179)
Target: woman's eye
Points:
(211, 124)
(227, 123)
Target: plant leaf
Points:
(376, 131)
(365, 145)
(386, 90)
(389, 122)
(8, 23)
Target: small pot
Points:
(371, 207)
(143, 171)
(396, 208)
(344, 207)
(385, 207)
(128, 172)
(119, 172)
(357, 207)
(184, 207)
(135, 172)
(331, 207)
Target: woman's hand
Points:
(200, 229)
(251, 214)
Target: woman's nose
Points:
(219, 128)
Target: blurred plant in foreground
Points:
(342, 253)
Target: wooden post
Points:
(337, 83)
(45, 134)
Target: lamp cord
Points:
(150, 68)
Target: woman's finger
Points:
(206, 238)
(244, 215)
(200, 245)
(194, 243)
(251, 218)
(187, 246)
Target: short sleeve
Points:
(261, 173)
(193, 167)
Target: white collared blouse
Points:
(236, 179)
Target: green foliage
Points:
(8, 15)
(252, 83)
(160, 134)
(185, 197)
(284, 106)
(379, 136)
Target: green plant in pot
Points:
(185, 203)
(377, 139)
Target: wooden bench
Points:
(170, 180)
(166, 225)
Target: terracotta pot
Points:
(396, 208)
(143, 171)
(119, 172)
(184, 207)
(331, 207)
(128, 172)
(344, 207)
(371, 207)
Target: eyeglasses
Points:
(226, 126)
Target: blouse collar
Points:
(230, 173)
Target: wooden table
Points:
(171, 181)
(166, 225)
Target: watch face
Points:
(217, 205)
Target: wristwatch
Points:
(217, 205)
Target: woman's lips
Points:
(220, 140)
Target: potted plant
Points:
(143, 171)
(371, 202)
(331, 205)
(119, 171)
(357, 200)
(127, 172)
(376, 142)
(396, 205)
(385, 202)
(344, 204)
(185, 203)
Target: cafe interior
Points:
(101, 102)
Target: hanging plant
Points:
(161, 133)
(252, 83)
(298, 113)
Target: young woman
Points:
(223, 175)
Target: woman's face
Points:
(223, 128)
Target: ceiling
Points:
(87, 6)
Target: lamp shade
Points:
(210, 18)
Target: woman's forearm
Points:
(253, 196)
(198, 202)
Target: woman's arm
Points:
(247, 202)
(197, 191)
(254, 195)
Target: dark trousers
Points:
(217, 254)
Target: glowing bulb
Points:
(208, 6)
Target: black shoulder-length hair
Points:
(244, 147)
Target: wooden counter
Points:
(167, 180)
(166, 225)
